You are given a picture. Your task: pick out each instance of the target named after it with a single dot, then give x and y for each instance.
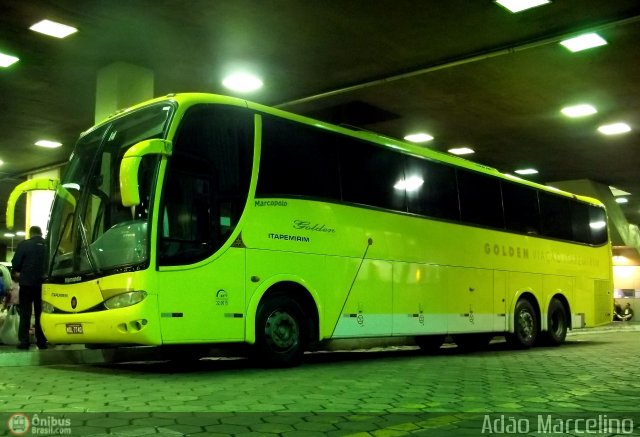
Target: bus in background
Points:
(203, 219)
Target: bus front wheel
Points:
(280, 332)
(525, 325)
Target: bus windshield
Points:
(96, 233)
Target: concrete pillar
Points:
(121, 85)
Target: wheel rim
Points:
(281, 331)
(526, 323)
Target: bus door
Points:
(201, 275)
(204, 303)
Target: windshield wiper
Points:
(85, 245)
(56, 247)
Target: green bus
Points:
(204, 219)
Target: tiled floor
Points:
(380, 392)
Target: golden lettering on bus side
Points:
(506, 251)
(548, 256)
(309, 226)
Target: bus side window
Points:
(556, 216)
(437, 194)
(521, 210)
(298, 160)
(372, 175)
(480, 199)
(206, 182)
(589, 223)
(598, 225)
(187, 222)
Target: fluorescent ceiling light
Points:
(622, 200)
(242, 82)
(461, 151)
(21, 233)
(614, 129)
(527, 171)
(9, 235)
(7, 60)
(420, 137)
(54, 29)
(583, 42)
(521, 5)
(578, 110)
(598, 225)
(48, 144)
(410, 184)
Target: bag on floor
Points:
(9, 329)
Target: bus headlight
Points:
(48, 308)
(125, 299)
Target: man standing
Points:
(28, 263)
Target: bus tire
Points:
(525, 325)
(281, 335)
(557, 324)
(429, 343)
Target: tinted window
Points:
(598, 225)
(371, 175)
(556, 213)
(297, 160)
(521, 212)
(589, 223)
(437, 194)
(569, 219)
(207, 182)
(480, 200)
(187, 225)
(580, 223)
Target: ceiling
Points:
(470, 73)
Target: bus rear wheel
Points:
(557, 324)
(525, 325)
(280, 332)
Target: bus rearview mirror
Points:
(35, 184)
(129, 184)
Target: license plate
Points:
(74, 328)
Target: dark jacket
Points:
(29, 261)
